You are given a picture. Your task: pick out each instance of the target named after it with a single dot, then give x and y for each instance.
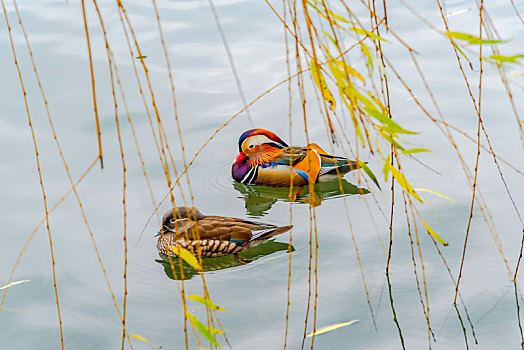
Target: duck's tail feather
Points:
(342, 165)
(269, 232)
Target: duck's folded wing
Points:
(290, 155)
(224, 228)
(305, 160)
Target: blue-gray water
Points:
(253, 294)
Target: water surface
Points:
(254, 294)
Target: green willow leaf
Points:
(368, 171)
(205, 301)
(390, 125)
(141, 338)
(471, 39)
(388, 138)
(506, 59)
(390, 129)
(205, 331)
(415, 150)
(385, 170)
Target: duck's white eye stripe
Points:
(172, 220)
(257, 140)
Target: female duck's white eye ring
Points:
(251, 146)
(172, 221)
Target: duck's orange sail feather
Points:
(310, 164)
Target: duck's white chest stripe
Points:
(250, 176)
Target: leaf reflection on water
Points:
(259, 199)
(221, 262)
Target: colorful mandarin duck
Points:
(212, 235)
(265, 159)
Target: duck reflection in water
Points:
(259, 199)
(182, 271)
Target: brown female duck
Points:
(212, 235)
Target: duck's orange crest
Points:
(263, 154)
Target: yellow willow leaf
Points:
(321, 84)
(350, 70)
(404, 183)
(337, 74)
(415, 150)
(332, 327)
(322, 14)
(383, 108)
(329, 12)
(504, 59)
(139, 337)
(337, 17)
(433, 233)
(365, 51)
(385, 170)
(334, 15)
(436, 194)
(332, 40)
(461, 52)
(215, 331)
(367, 33)
(205, 301)
(13, 284)
(187, 257)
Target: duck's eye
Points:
(172, 221)
(251, 146)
